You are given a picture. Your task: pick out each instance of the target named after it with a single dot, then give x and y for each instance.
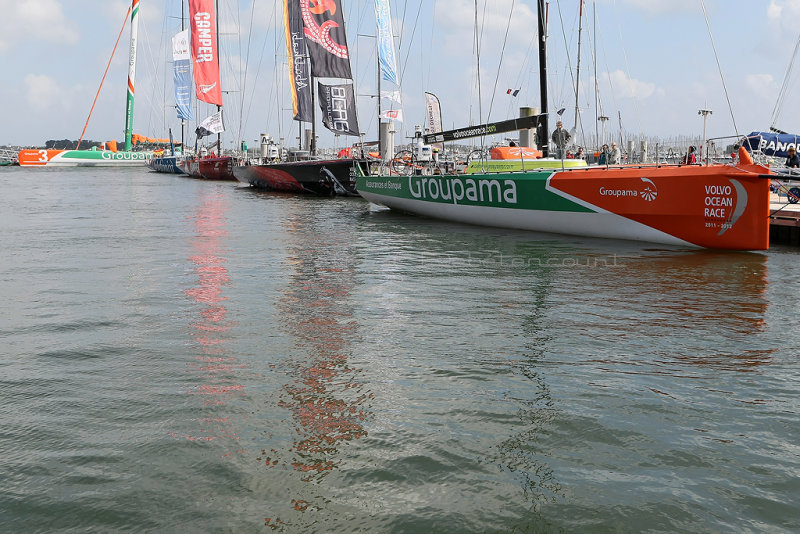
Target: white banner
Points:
(211, 125)
(393, 114)
(394, 96)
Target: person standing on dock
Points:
(793, 160)
(560, 138)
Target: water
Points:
(185, 356)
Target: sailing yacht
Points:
(95, 157)
(316, 31)
(710, 206)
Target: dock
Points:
(784, 221)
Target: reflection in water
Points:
(213, 367)
(326, 400)
(707, 305)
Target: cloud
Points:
(784, 14)
(762, 85)
(41, 20)
(659, 7)
(41, 91)
(626, 87)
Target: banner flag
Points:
(182, 75)
(393, 114)
(338, 105)
(211, 125)
(299, 76)
(386, 58)
(204, 51)
(433, 116)
(323, 22)
(394, 96)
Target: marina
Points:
(400, 267)
(191, 355)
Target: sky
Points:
(649, 65)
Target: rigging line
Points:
(719, 67)
(478, 65)
(246, 67)
(500, 63)
(566, 49)
(124, 22)
(408, 50)
(628, 69)
(784, 87)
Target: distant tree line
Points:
(67, 144)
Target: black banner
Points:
(522, 123)
(299, 76)
(338, 105)
(327, 43)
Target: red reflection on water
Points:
(324, 396)
(214, 369)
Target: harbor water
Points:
(188, 356)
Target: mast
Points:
(219, 108)
(131, 74)
(544, 144)
(183, 121)
(578, 70)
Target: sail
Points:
(386, 58)
(338, 105)
(771, 144)
(181, 75)
(204, 51)
(299, 78)
(323, 22)
(433, 116)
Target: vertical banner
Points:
(383, 17)
(433, 116)
(338, 105)
(323, 21)
(299, 78)
(181, 75)
(203, 22)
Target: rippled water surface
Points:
(179, 355)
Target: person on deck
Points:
(616, 155)
(560, 138)
(793, 160)
(580, 154)
(603, 158)
(690, 156)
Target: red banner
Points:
(204, 51)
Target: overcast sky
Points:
(655, 66)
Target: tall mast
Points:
(219, 135)
(544, 145)
(578, 70)
(131, 74)
(183, 121)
